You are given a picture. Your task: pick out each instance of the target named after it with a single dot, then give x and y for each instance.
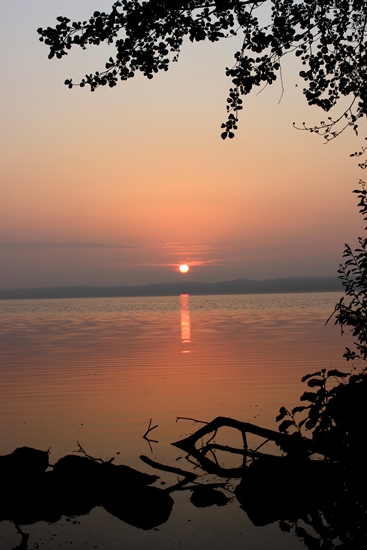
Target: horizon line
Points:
(310, 283)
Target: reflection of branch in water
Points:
(225, 448)
(150, 429)
(187, 476)
(322, 503)
(195, 463)
(252, 454)
(212, 437)
(204, 446)
(203, 494)
(211, 451)
(214, 485)
(272, 487)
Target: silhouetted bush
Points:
(336, 402)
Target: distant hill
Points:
(239, 286)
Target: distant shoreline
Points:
(239, 286)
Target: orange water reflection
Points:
(96, 371)
(98, 376)
(185, 321)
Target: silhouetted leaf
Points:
(309, 396)
(282, 413)
(314, 382)
(151, 34)
(299, 409)
(338, 373)
(285, 425)
(307, 376)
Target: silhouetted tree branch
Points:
(165, 468)
(188, 444)
(327, 36)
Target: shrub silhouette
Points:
(336, 412)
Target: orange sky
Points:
(123, 185)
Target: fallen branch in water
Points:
(170, 469)
(244, 427)
(300, 447)
(188, 477)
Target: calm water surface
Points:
(97, 370)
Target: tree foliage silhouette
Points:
(327, 36)
(353, 274)
(336, 412)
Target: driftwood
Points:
(188, 444)
(171, 469)
(270, 488)
(322, 502)
(298, 449)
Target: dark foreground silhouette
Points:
(325, 504)
(75, 485)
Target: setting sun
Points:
(184, 268)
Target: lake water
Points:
(97, 370)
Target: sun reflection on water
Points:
(185, 321)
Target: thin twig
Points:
(192, 420)
(214, 457)
(261, 445)
(224, 448)
(281, 82)
(164, 468)
(212, 437)
(150, 429)
(82, 451)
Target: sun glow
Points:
(184, 268)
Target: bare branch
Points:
(171, 469)
(192, 420)
(150, 429)
(82, 451)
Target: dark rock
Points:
(24, 462)
(83, 468)
(207, 496)
(75, 486)
(144, 507)
(282, 489)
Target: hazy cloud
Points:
(190, 246)
(48, 246)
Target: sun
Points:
(184, 268)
